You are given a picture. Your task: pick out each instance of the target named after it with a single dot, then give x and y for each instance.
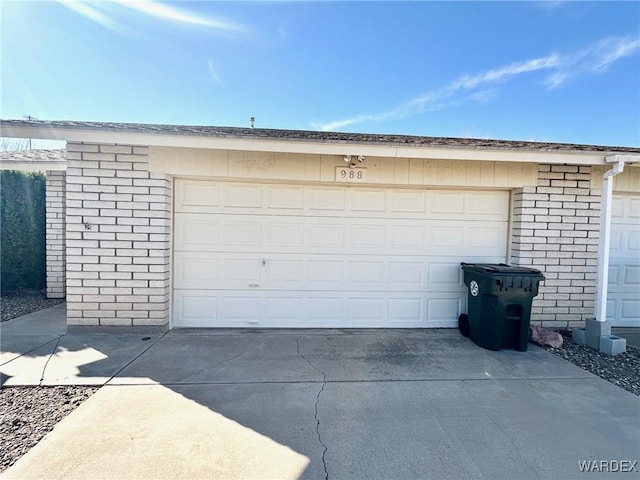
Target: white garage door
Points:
(252, 255)
(623, 305)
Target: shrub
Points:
(22, 230)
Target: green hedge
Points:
(22, 230)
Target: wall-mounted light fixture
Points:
(353, 160)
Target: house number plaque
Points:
(351, 175)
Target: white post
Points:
(605, 233)
(603, 249)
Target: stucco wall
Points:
(223, 164)
(626, 182)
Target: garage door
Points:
(623, 305)
(255, 255)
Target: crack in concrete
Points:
(30, 351)
(121, 369)
(252, 347)
(46, 364)
(324, 383)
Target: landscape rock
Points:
(545, 337)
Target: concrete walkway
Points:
(387, 404)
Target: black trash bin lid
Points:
(499, 269)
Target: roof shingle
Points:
(317, 136)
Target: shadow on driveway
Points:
(320, 404)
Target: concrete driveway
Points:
(337, 404)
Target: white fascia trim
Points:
(304, 147)
(33, 166)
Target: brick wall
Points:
(55, 233)
(118, 238)
(556, 229)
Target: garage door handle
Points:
(264, 262)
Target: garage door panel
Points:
(285, 198)
(194, 310)
(623, 305)
(450, 203)
(444, 275)
(634, 208)
(404, 274)
(200, 308)
(322, 309)
(364, 200)
(408, 236)
(244, 232)
(631, 309)
(443, 309)
(195, 270)
(625, 210)
(614, 275)
(403, 310)
(280, 309)
(242, 307)
(447, 236)
(616, 243)
(284, 273)
(286, 234)
(370, 238)
(487, 237)
(633, 242)
(325, 274)
(323, 199)
(631, 276)
(328, 272)
(196, 232)
(367, 272)
(365, 309)
(326, 235)
(243, 196)
(486, 205)
(407, 201)
(196, 195)
(249, 255)
(240, 273)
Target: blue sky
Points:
(542, 71)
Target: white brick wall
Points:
(118, 231)
(55, 234)
(556, 229)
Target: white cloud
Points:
(104, 13)
(91, 11)
(213, 71)
(484, 96)
(596, 58)
(503, 73)
(593, 59)
(167, 12)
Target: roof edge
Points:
(307, 141)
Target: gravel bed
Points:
(622, 370)
(28, 413)
(25, 301)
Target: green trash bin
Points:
(499, 310)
